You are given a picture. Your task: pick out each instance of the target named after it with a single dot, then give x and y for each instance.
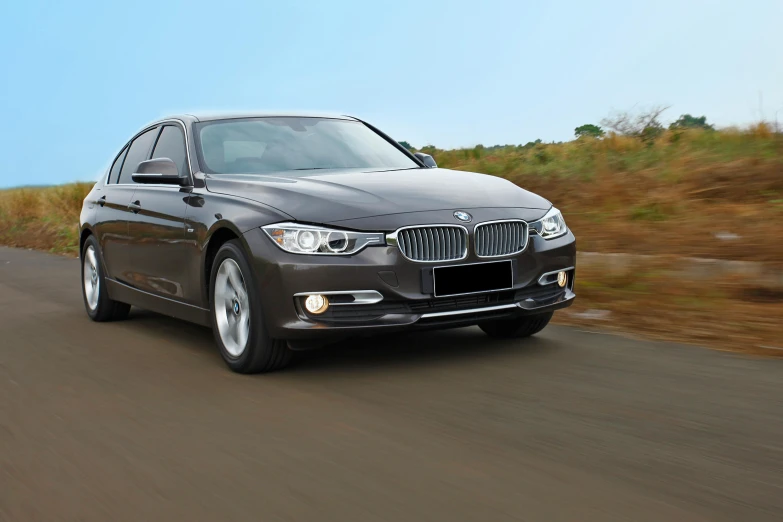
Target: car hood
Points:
(328, 196)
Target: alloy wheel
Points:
(92, 282)
(232, 307)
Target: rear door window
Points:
(116, 166)
(138, 152)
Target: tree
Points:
(529, 145)
(406, 145)
(686, 121)
(644, 124)
(594, 131)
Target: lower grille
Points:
(500, 238)
(358, 313)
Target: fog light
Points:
(316, 304)
(562, 279)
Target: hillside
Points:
(692, 193)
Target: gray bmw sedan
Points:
(285, 232)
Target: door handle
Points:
(101, 200)
(135, 207)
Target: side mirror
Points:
(160, 171)
(426, 159)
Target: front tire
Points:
(524, 326)
(100, 307)
(237, 318)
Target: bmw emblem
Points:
(463, 216)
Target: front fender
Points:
(212, 216)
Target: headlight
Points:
(309, 239)
(550, 226)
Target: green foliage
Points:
(406, 145)
(542, 156)
(585, 159)
(588, 129)
(686, 121)
(650, 211)
(529, 145)
(651, 132)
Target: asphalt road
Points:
(140, 420)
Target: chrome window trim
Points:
(391, 239)
(369, 296)
(160, 123)
(524, 247)
(553, 272)
(153, 185)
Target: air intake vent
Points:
(433, 243)
(500, 238)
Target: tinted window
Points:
(292, 144)
(116, 166)
(136, 154)
(171, 145)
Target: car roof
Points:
(212, 116)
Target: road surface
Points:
(140, 420)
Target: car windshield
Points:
(278, 144)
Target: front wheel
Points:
(237, 318)
(524, 326)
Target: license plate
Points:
(472, 279)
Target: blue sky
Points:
(78, 78)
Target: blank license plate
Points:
(471, 279)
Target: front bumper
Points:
(405, 305)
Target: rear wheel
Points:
(100, 307)
(524, 326)
(237, 318)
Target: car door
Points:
(113, 213)
(158, 253)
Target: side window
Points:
(136, 154)
(171, 145)
(116, 166)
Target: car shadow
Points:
(174, 331)
(363, 354)
(418, 349)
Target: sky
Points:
(77, 79)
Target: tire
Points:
(237, 317)
(524, 326)
(100, 307)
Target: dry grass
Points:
(654, 299)
(679, 195)
(42, 218)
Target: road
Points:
(140, 420)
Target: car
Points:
(286, 232)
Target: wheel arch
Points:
(83, 235)
(221, 234)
